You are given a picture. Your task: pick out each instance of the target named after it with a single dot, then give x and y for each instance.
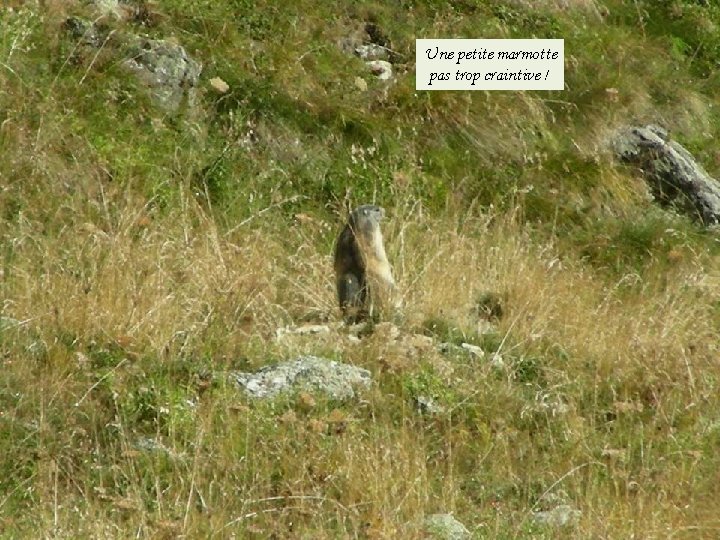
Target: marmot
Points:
(362, 272)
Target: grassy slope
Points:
(126, 254)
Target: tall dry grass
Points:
(623, 368)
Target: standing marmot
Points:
(362, 272)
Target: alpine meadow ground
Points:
(146, 253)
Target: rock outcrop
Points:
(671, 171)
(308, 373)
(161, 65)
(166, 69)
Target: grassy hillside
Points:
(145, 252)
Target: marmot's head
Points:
(366, 219)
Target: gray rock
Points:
(474, 350)
(450, 348)
(361, 84)
(348, 44)
(559, 516)
(152, 445)
(366, 40)
(671, 171)
(371, 51)
(307, 329)
(497, 361)
(110, 8)
(166, 69)
(464, 349)
(85, 32)
(427, 405)
(6, 323)
(382, 69)
(335, 379)
(445, 527)
(485, 328)
(161, 65)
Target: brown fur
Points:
(362, 272)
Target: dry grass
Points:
(623, 370)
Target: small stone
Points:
(473, 350)
(427, 405)
(357, 328)
(152, 445)
(307, 329)
(82, 360)
(449, 348)
(497, 361)
(382, 69)
(84, 31)
(371, 51)
(6, 323)
(220, 86)
(612, 94)
(559, 516)
(445, 527)
(108, 8)
(485, 327)
(361, 84)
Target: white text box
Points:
(490, 64)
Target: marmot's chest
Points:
(375, 259)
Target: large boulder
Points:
(166, 69)
(161, 65)
(671, 171)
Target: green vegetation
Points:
(145, 252)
